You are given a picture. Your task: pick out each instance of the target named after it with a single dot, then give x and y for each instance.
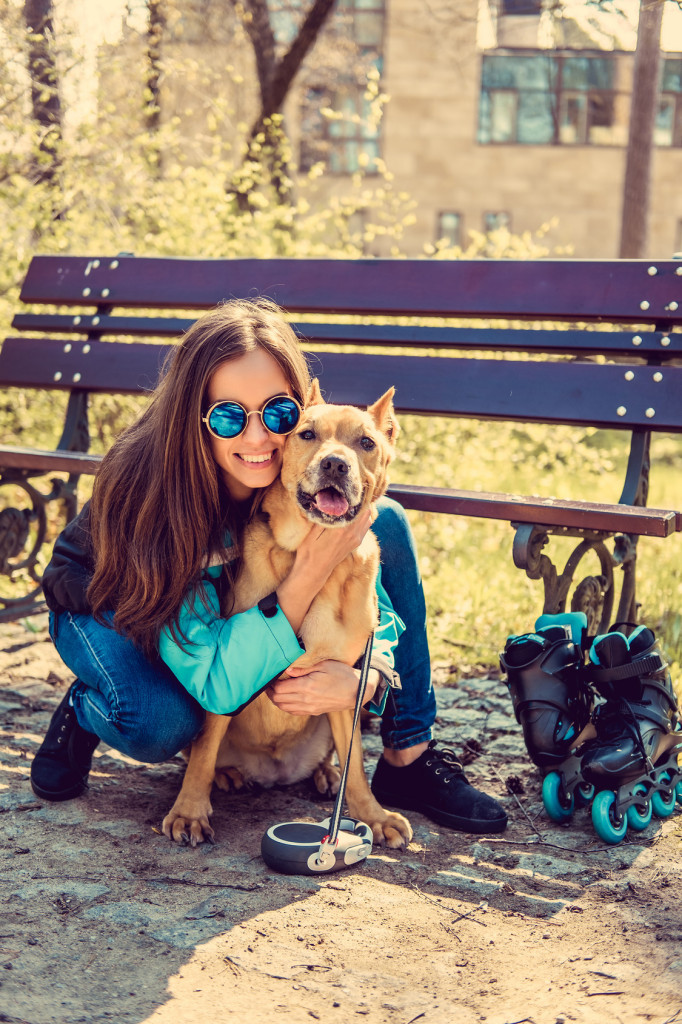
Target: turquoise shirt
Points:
(227, 662)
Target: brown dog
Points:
(333, 466)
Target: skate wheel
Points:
(584, 794)
(664, 803)
(606, 825)
(637, 818)
(559, 807)
(678, 791)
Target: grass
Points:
(475, 595)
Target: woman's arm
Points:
(332, 685)
(227, 662)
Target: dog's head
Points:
(335, 462)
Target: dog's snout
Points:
(334, 465)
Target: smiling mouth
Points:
(328, 505)
(256, 460)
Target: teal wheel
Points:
(558, 806)
(639, 815)
(678, 791)
(606, 825)
(663, 804)
(584, 794)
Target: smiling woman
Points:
(142, 585)
(252, 457)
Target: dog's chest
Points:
(272, 761)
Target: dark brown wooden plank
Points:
(554, 392)
(580, 515)
(615, 290)
(511, 507)
(585, 342)
(48, 462)
(100, 325)
(81, 365)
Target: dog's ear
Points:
(383, 415)
(314, 396)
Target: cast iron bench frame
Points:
(617, 321)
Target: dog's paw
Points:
(230, 779)
(189, 827)
(392, 830)
(327, 779)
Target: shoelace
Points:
(448, 764)
(612, 717)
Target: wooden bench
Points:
(549, 341)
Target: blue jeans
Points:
(138, 706)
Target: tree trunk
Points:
(275, 78)
(644, 107)
(156, 23)
(45, 102)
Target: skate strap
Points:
(652, 663)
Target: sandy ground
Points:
(103, 919)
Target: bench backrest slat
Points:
(618, 291)
(548, 392)
(613, 343)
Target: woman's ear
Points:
(314, 396)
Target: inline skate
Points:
(552, 702)
(633, 760)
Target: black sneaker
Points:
(60, 768)
(435, 785)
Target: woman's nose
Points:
(255, 431)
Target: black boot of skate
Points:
(633, 759)
(552, 704)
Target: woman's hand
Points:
(329, 686)
(317, 556)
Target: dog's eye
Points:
(367, 443)
(307, 435)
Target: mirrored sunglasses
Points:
(279, 415)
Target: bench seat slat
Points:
(618, 291)
(498, 339)
(489, 505)
(479, 388)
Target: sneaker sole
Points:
(477, 826)
(63, 794)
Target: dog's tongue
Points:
(331, 502)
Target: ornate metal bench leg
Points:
(22, 534)
(593, 595)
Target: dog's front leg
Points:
(387, 826)
(187, 820)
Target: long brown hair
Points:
(158, 505)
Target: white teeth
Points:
(256, 458)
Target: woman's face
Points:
(254, 458)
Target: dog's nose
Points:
(335, 466)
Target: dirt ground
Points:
(103, 919)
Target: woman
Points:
(139, 584)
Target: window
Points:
(350, 139)
(516, 7)
(546, 98)
(668, 127)
(345, 142)
(569, 98)
(496, 219)
(449, 227)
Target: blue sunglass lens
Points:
(280, 415)
(227, 419)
